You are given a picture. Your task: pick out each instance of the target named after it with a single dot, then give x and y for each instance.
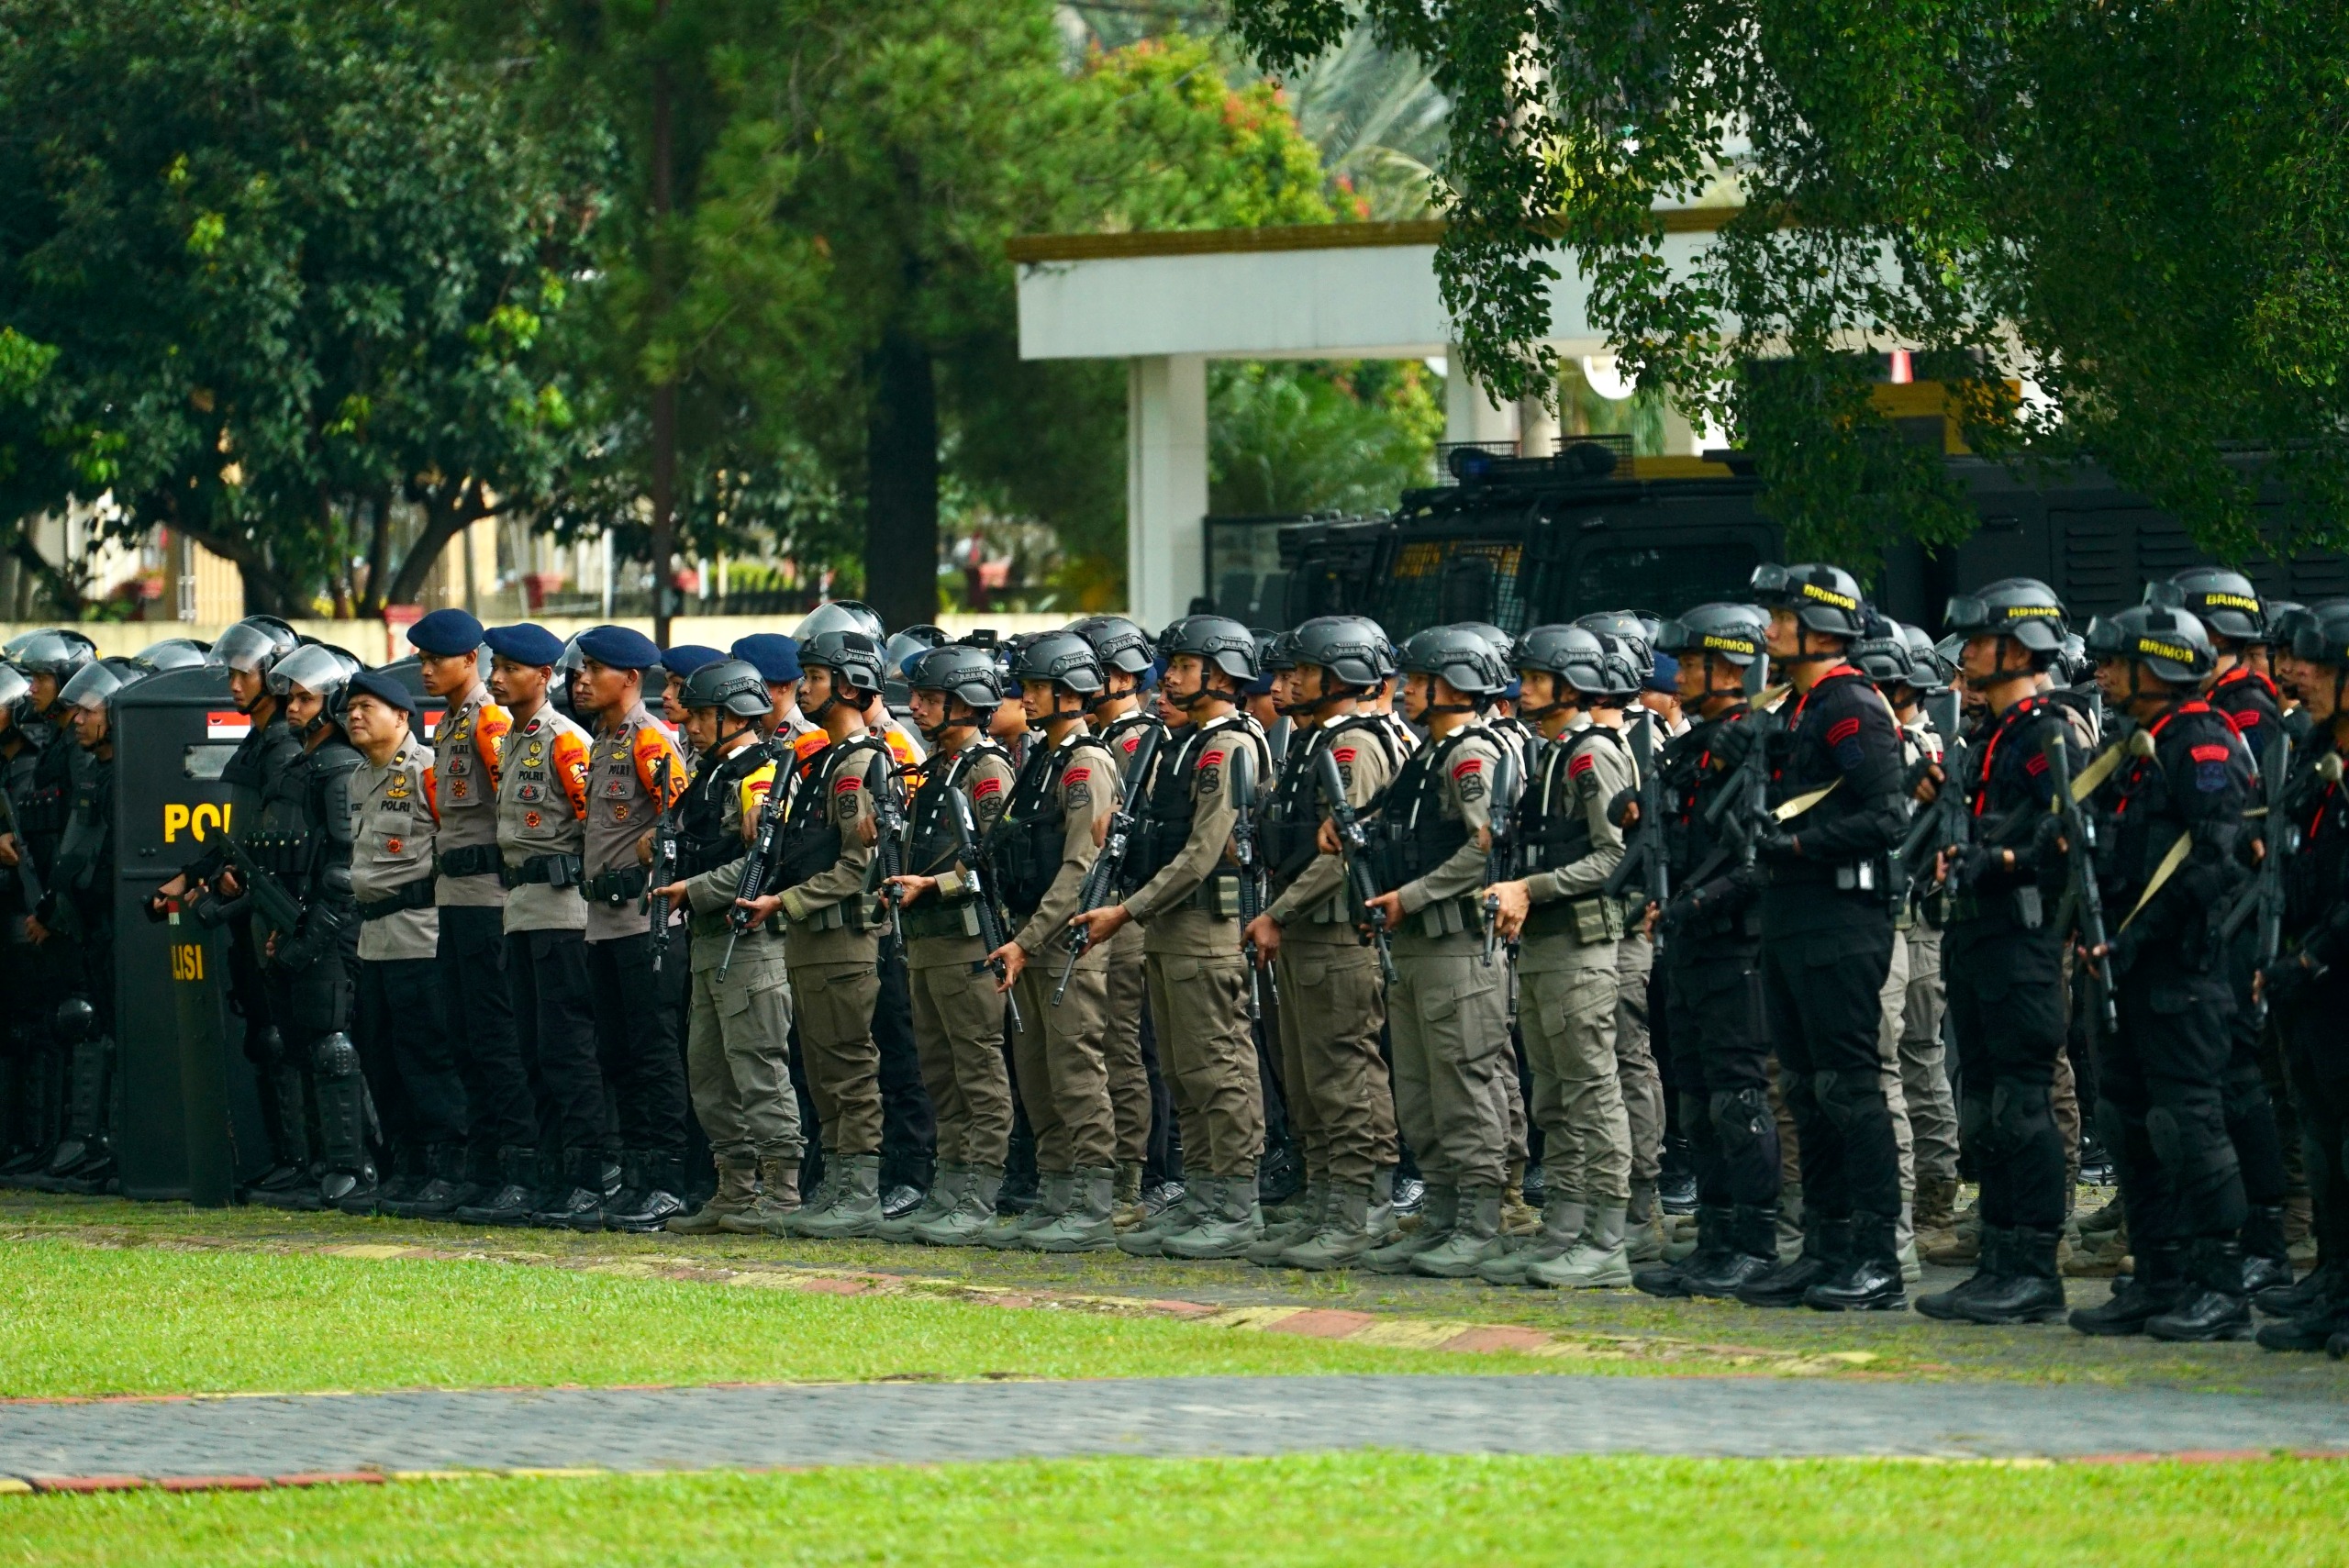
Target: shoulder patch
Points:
(2211, 753)
(1345, 753)
(1467, 766)
(1131, 742)
(1076, 776)
(846, 782)
(1211, 759)
(986, 787)
(1843, 729)
(1581, 764)
(2035, 763)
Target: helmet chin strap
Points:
(1059, 713)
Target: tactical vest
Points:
(42, 810)
(1292, 817)
(705, 842)
(1552, 831)
(932, 846)
(1031, 839)
(1163, 822)
(278, 837)
(1414, 837)
(811, 842)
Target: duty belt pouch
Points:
(929, 919)
(2029, 914)
(1855, 876)
(616, 888)
(1598, 918)
(1445, 920)
(1218, 895)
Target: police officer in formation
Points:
(481, 978)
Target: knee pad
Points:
(335, 1059)
(2167, 1138)
(2019, 1109)
(1742, 1117)
(265, 1047)
(2245, 1093)
(76, 1020)
(1849, 1099)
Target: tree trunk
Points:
(379, 552)
(901, 485)
(664, 397)
(442, 524)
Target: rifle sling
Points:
(2100, 768)
(2161, 873)
(1787, 810)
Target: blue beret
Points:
(445, 633)
(1663, 677)
(774, 656)
(525, 644)
(618, 647)
(685, 658)
(384, 687)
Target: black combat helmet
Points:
(2169, 642)
(1064, 658)
(1221, 641)
(1883, 655)
(854, 657)
(1593, 663)
(1351, 649)
(1119, 643)
(2022, 608)
(1625, 627)
(1462, 656)
(968, 673)
(733, 684)
(1928, 672)
(1732, 633)
(2223, 601)
(254, 644)
(1824, 598)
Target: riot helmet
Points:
(1825, 599)
(2022, 608)
(855, 661)
(1118, 644)
(254, 644)
(1928, 672)
(1627, 628)
(58, 652)
(1883, 655)
(839, 614)
(1732, 633)
(2167, 640)
(172, 653)
(95, 684)
(733, 686)
(320, 670)
(1351, 649)
(2223, 601)
(1065, 658)
(1577, 656)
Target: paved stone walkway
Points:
(737, 1426)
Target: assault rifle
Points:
(758, 865)
(1252, 871)
(1099, 881)
(2265, 897)
(1354, 846)
(1745, 802)
(28, 878)
(279, 907)
(663, 869)
(982, 886)
(2087, 899)
(889, 839)
(1500, 854)
(1643, 857)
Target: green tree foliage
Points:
(2140, 207)
(268, 262)
(1304, 436)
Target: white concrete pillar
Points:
(1537, 427)
(1470, 413)
(1167, 485)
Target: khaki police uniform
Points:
(833, 952)
(469, 900)
(1189, 909)
(958, 1014)
(1334, 1007)
(1126, 997)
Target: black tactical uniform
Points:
(1827, 939)
(44, 806)
(1712, 934)
(2161, 1110)
(33, 1103)
(77, 908)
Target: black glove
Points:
(1774, 844)
(2284, 979)
(2120, 952)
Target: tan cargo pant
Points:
(1924, 1066)
(958, 1034)
(1209, 1054)
(1127, 996)
(1340, 1099)
(1642, 1085)
(1448, 1016)
(1568, 1019)
(1893, 1011)
(836, 1003)
(1057, 1058)
(738, 1062)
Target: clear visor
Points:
(244, 648)
(319, 671)
(94, 687)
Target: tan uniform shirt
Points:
(841, 794)
(1583, 771)
(624, 771)
(1316, 904)
(395, 820)
(1171, 923)
(467, 745)
(1466, 797)
(1088, 798)
(543, 810)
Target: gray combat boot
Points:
(972, 1212)
(1643, 1225)
(1344, 1235)
(1225, 1230)
(855, 1208)
(1086, 1225)
(737, 1188)
(1147, 1241)
(945, 1192)
(1437, 1211)
(1561, 1222)
(1378, 1217)
(1301, 1223)
(1476, 1236)
(1052, 1202)
(1597, 1261)
(1126, 1197)
(778, 1201)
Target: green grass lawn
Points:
(92, 1321)
(1349, 1509)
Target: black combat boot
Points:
(2025, 1287)
(516, 1193)
(1868, 1278)
(2266, 1256)
(655, 1203)
(1749, 1251)
(2291, 1300)
(1948, 1306)
(1825, 1245)
(579, 1203)
(442, 1188)
(1712, 1251)
(2153, 1289)
(2214, 1306)
(409, 1167)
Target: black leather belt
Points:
(407, 895)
